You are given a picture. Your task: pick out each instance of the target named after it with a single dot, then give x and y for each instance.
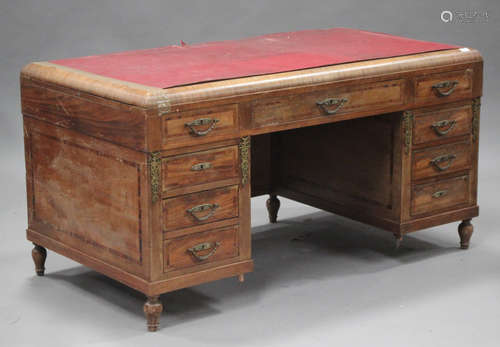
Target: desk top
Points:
(188, 64)
(162, 78)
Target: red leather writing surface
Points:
(180, 65)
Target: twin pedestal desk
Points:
(141, 165)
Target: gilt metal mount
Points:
(154, 163)
(408, 125)
(244, 158)
(476, 106)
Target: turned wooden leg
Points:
(39, 255)
(465, 230)
(241, 278)
(273, 205)
(152, 310)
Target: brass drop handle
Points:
(438, 126)
(203, 247)
(450, 85)
(338, 102)
(443, 159)
(211, 122)
(439, 194)
(202, 208)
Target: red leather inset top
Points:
(181, 65)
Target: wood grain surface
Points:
(457, 122)
(454, 191)
(177, 216)
(459, 154)
(178, 170)
(223, 244)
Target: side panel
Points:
(261, 164)
(88, 195)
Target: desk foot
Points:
(39, 255)
(152, 310)
(273, 205)
(241, 278)
(465, 230)
(399, 239)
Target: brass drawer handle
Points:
(439, 194)
(201, 166)
(438, 126)
(324, 104)
(450, 85)
(448, 158)
(203, 247)
(202, 208)
(211, 122)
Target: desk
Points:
(143, 171)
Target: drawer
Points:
(440, 124)
(200, 208)
(440, 160)
(440, 195)
(200, 167)
(444, 85)
(201, 248)
(340, 100)
(200, 126)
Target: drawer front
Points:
(201, 126)
(201, 248)
(444, 85)
(440, 160)
(440, 195)
(200, 167)
(440, 124)
(200, 208)
(360, 97)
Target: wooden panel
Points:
(125, 276)
(104, 119)
(423, 167)
(298, 107)
(443, 194)
(261, 164)
(431, 220)
(176, 215)
(84, 196)
(350, 162)
(177, 134)
(356, 212)
(454, 122)
(177, 254)
(178, 170)
(424, 90)
(202, 276)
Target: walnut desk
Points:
(141, 164)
